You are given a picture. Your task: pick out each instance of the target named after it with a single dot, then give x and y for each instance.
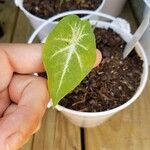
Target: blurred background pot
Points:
(37, 21)
(111, 7)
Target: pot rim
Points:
(19, 3)
(121, 107)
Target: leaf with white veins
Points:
(68, 55)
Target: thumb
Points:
(20, 122)
(98, 58)
(13, 141)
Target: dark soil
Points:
(112, 83)
(47, 8)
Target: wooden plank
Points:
(8, 16)
(23, 29)
(129, 129)
(57, 134)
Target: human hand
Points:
(23, 97)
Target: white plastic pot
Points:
(113, 7)
(145, 40)
(37, 21)
(84, 119)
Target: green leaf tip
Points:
(68, 55)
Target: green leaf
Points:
(68, 55)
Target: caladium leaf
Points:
(68, 55)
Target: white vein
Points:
(59, 51)
(73, 42)
(73, 28)
(63, 39)
(83, 35)
(82, 46)
(79, 59)
(72, 49)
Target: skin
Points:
(98, 58)
(23, 97)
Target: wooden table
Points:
(128, 130)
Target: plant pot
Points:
(37, 21)
(113, 7)
(145, 40)
(87, 119)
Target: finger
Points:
(37, 128)
(6, 71)
(4, 101)
(24, 58)
(15, 137)
(12, 107)
(98, 58)
(29, 56)
(21, 58)
(19, 125)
